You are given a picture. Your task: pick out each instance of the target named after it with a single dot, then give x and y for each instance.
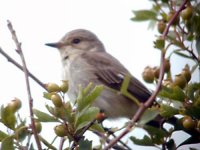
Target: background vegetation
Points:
(178, 24)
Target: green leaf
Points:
(46, 143)
(193, 111)
(192, 88)
(65, 112)
(97, 127)
(85, 101)
(198, 45)
(152, 24)
(159, 43)
(145, 141)
(144, 15)
(50, 109)
(87, 89)
(8, 117)
(168, 111)
(194, 67)
(148, 115)
(7, 144)
(21, 133)
(44, 117)
(183, 55)
(48, 95)
(85, 145)
(157, 135)
(85, 117)
(2, 135)
(174, 93)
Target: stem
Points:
(151, 99)
(19, 51)
(62, 140)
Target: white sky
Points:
(42, 21)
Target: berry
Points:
(156, 72)
(188, 123)
(14, 105)
(167, 65)
(60, 130)
(148, 74)
(52, 87)
(186, 13)
(100, 116)
(64, 86)
(161, 26)
(180, 81)
(38, 126)
(56, 99)
(186, 73)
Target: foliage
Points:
(73, 120)
(178, 24)
(178, 95)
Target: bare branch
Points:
(19, 51)
(62, 140)
(151, 99)
(11, 60)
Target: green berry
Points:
(186, 13)
(148, 75)
(186, 73)
(64, 86)
(52, 87)
(56, 99)
(180, 81)
(15, 105)
(38, 126)
(161, 26)
(60, 130)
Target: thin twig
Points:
(86, 128)
(151, 99)
(11, 60)
(116, 146)
(62, 140)
(19, 51)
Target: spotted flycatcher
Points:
(85, 60)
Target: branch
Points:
(151, 99)
(19, 51)
(62, 140)
(107, 140)
(11, 60)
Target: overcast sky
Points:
(42, 21)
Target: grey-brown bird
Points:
(85, 60)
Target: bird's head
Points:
(79, 40)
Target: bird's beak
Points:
(54, 45)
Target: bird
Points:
(84, 59)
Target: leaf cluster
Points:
(178, 33)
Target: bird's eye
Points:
(76, 41)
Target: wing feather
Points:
(111, 73)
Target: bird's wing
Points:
(111, 73)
